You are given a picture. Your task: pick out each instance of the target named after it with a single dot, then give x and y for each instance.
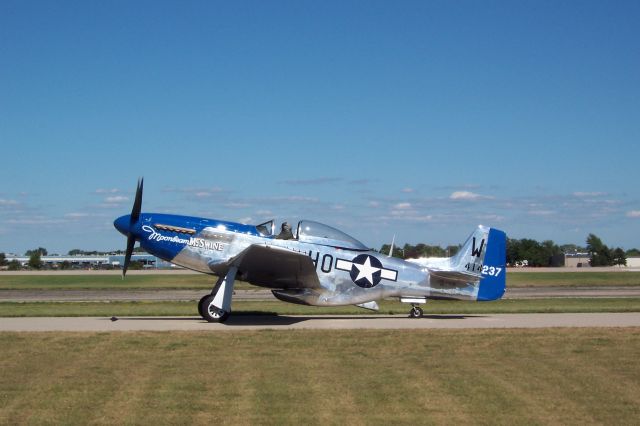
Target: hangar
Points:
(582, 260)
(577, 260)
(633, 262)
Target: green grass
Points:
(101, 282)
(458, 377)
(201, 281)
(572, 279)
(27, 309)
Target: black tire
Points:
(212, 313)
(416, 312)
(201, 304)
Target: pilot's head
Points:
(286, 226)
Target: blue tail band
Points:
(494, 271)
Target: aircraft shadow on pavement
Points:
(237, 320)
(447, 317)
(241, 319)
(156, 319)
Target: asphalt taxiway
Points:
(321, 322)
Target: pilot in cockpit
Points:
(285, 232)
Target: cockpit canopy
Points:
(318, 233)
(266, 229)
(312, 232)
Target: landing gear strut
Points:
(416, 312)
(216, 307)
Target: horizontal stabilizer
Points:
(462, 276)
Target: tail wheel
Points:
(212, 313)
(416, 312)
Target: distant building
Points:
(148, 261)
(95, 262)
(557, 260)
(633, 262)
(577, 260)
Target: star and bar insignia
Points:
(366, 271)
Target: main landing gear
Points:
(416, 312)
(216, 307)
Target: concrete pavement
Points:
(337, 322)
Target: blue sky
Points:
(420, 119)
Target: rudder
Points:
(494, 271)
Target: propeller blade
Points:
(137, 204)
(131, 241)
(133, 219)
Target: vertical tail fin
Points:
(484, 253)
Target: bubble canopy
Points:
(319, 233)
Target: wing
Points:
(273, 267)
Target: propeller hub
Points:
(122, 224)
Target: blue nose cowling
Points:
(122, 224)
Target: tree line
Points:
(409, 251)
(529, 252)
(601, 255)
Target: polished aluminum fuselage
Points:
(345, 275)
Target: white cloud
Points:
(108, 206)
(418, 218)
(360, 182)
(541, 212)
(468, 195)
(107, 191)
(40, 220)
(7, 203)
(296, 198)
(491, 217)
(314, 181)
(76, 215)
(116, 199)
(633, 213)
(588, 194)
(197, 192)
(407, 190)
(408, 216)
(402, 206)
(208, 193)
